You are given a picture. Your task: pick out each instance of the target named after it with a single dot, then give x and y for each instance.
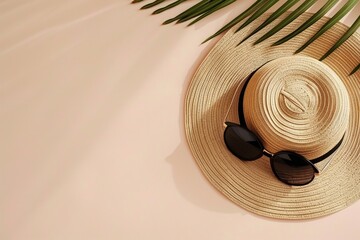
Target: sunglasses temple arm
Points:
(313, 165)
(327, 164)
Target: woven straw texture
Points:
(293, 102)
(299, 104)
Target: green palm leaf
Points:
(221, 5)
(272, 17)
(236, 20)
(154, 3)
(292, 16)
(314, 18)
(204, 8)
(258, 13)
(171, 5)
(348, 33)
(189, 11)
(331, 22)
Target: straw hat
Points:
(292, 102)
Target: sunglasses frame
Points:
(271, 156)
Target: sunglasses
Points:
(289, 167)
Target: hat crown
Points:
(295, 96)
(297, 103)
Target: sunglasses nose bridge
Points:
(267, 153)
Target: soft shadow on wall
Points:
(189, 180)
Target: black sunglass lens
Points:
(242, 143)
(292, 168)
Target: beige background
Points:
(92, 140)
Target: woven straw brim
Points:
(252, 185)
